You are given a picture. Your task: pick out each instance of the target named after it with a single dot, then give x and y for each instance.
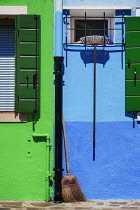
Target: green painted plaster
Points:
(24, 159)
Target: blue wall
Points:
(114, 173)
(102, 3)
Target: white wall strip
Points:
(13, 10)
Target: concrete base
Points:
(93, 205)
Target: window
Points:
(7, 63)
(19, 63)
(95, 23)
(74, 17)
(93, 27)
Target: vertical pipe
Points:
(48, 169)
(123, 29)
(58, 66)
(122, 37)
(58, 28)
(94, 104)
(58, 71)
(104, 28)
(66, 41)
(85, 29)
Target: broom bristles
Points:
(71, 191)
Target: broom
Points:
(71, 191)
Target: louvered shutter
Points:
(27, 63)
(7, 67)
(132, 64)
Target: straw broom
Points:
(71, 191)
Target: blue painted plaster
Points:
(78, 89)
(114, 174)
(102, 3)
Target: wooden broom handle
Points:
(65, 145)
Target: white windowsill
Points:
(12, 117)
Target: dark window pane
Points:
(93, 27)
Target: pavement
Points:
(91, 204)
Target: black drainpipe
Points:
(58, 71)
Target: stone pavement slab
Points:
(92, 205)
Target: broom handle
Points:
(65, 146)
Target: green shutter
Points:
(27, 97)
(132, 64)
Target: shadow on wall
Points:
(129, 114)
(133, 116)
(34, 118)
(87, 56)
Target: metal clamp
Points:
(135, 77)
(129, 63)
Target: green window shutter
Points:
(132, 64)
(27, 97)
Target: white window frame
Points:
(6, 116)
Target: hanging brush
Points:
(71, 191)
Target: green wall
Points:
(24, 161)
